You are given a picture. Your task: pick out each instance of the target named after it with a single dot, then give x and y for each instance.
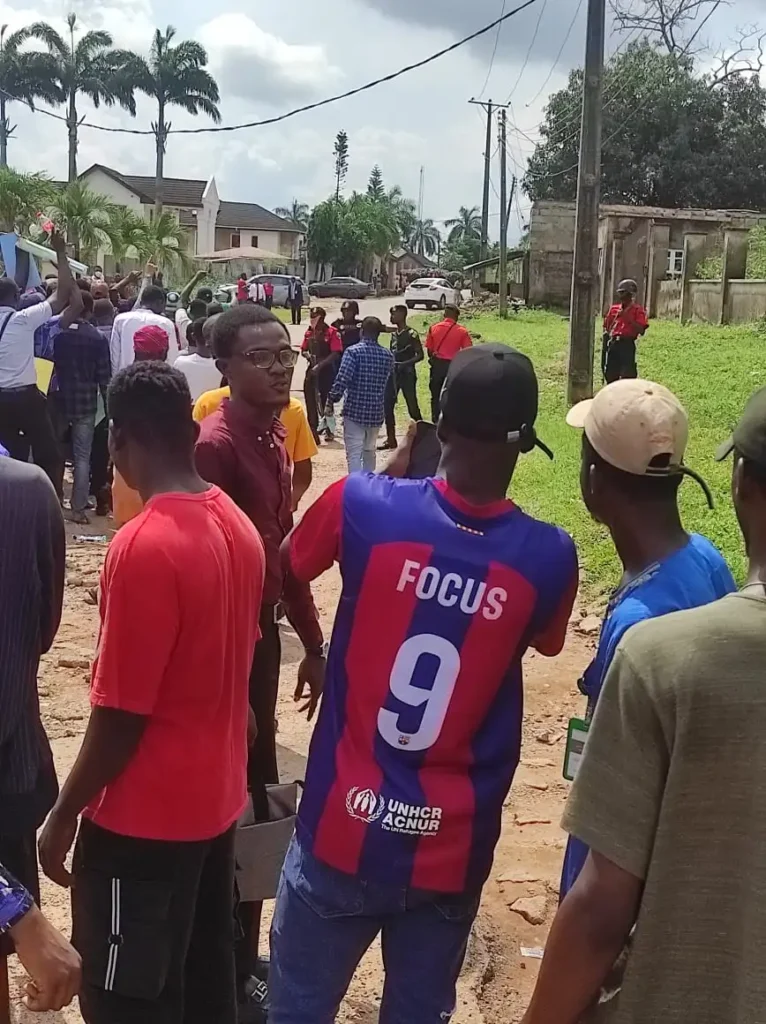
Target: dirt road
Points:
(497, 979)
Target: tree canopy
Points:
(671, 137)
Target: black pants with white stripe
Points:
(154, 924)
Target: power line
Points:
(529, 51)
(494, 50)
(309, 106)
(558, 55)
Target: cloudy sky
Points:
(269, 58)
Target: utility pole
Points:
(502, 274)
(585, 270)
(485, 194)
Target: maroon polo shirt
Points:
(251, 465)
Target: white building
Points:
(212, 224)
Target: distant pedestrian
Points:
(256, 293)
(624, 324)
(362, 377)
(268, 289)
(242, 288)
(348, 325)
(408, 352)
(83, 370)
(443, 342)
(295, 298)
(323, 349)
(24, 418)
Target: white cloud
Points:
(254, 65)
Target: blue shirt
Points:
(363, 375)
(695, 575)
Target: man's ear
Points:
(222, 366)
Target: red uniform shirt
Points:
(445, 339)
(180, 598)
(626, 321)
(241, 291)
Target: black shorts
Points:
(154, 924)
(618, 360)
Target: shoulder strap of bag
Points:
(444, 338)
(5, 324)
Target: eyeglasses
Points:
(264, 360)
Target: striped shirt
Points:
(32, 559)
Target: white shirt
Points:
(124, 328)
(182, 322)
(256, 292)
(201, 374)
(17, 345)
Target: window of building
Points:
(675, 262)
(254, 241)
(234, 243)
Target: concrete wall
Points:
(669, 300)
(551, 253)
(284, 243)
(746, 301)
(105, 185)
(705, 301)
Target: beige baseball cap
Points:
(632, 423)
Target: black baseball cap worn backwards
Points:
(491, 394)
(749, 437)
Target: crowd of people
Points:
(446, 584)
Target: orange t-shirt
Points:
(445, 339)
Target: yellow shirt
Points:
(299, 443)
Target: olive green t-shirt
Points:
(672, 788)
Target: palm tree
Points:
(467, 225)
(425, 238)
(126, 231)
(22, 198)
(296, 212)
(25, 76)
(175, 76)
(83, 216)
(165, 242)
(404, 211)
(88, 66)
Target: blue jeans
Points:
(82, 442)
(324, 921)
(360, 446)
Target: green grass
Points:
(712, 370)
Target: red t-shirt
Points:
(626, 321)
(445, 339)
(241, 291)
(180, 599)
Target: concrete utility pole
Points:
(502, 274)
(585, 270)
(485, 194)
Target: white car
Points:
(431, 292)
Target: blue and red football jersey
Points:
(419, 732)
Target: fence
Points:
(744, 302)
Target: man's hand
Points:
(53, 965)
(58, 242)
(53, 846)
(399, 462)
(150, 269)
(310, 682)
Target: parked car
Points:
(431, 292)
(341, 288)
(280, 282)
